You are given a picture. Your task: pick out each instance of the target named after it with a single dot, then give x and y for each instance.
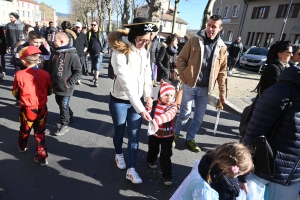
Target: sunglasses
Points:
(93, 24)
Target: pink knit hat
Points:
(166, 88)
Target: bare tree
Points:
(155, 10)
(207, 12)
(126, 12)
(119, 10)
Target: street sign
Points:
(37, 15)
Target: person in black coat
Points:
(154, 49)
(295, 59)
(285, 143)
(277, 60)
(163, 58)
(2, 53)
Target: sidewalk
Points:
(240, 85)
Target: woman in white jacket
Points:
(131, 65)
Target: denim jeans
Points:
(152, 69)
(279, 192)
(96, 60)
(200, 97)
(65, 111)
(123, 113)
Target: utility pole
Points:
(285, 19)
(161, 22)
(175, 15)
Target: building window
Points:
(171, 24)
(283, 36)
(28, 14)
(218, 11)
(18, 12)
(226, 10)
(23, 13)
(260, 12)
(179, 26)
(269, 39)
(258, 39)
(252, 38)
(164, 23)
(297, 39)
(34, 7)
(22, 4)
(28, 5)
(248, 38)
(235, 10)
(282, 10)
(229, 35)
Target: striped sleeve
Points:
(161, 117)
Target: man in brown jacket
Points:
(201, 62)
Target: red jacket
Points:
(32, 86)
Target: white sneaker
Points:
(229, 73)
(133, 176)
(120, 161)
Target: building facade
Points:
(24, 8)
(5, 8)
(166, 21)
(259, 22)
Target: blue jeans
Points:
(152, 69)
(96, 60)
(121, 114)
(200, 97)
(279, 192)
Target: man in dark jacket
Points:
(235, 52)
(67, 28)
(14, 30)
(2, 53)
(286, 141)
(154, 49)
(48, 29)
(65, 71)
(98, 45)
(81, 47)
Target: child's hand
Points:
(244, 187)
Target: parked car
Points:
(254, 58)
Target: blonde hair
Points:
(228, 155)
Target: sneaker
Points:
(168, 181)
(17, 104)
(176, 136)
(4, 75)
(96, 83)
(120, 161)
(23, 150)
(62, 130)
(229, 73)
(133, 176)
(192, 145)
(152, 165)
(42, 161)
(78, 83)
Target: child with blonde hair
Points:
(220, 171)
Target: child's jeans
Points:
(36, 119)
(165, 154)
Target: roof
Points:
(30, 1)
(168, 17)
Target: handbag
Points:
(263, 155)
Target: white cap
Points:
(78, 24)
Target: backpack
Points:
(110, 69)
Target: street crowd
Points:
(52, 61)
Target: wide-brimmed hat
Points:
(143, 24)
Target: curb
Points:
(213, 100)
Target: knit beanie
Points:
(166, 88)
(14, 14)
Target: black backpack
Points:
(110, 69)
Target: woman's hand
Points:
(146, 116)
(244, 187)
(149, 101)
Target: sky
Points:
(190, 10)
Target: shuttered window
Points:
(260, 12)
(282, 10)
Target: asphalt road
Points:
(81, 162)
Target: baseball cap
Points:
(28, 51)
(78, 24)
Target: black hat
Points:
(14, 14)
(144, 24)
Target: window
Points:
(229, 35)
(218, 11)
(235, 10)
(28, 5)
(282, 10)
(269, 39)
(18, 12)
(28, 14)
(248, 38)
(252, 38)
(171, 24)
(179, 26)
(260, 12)
(258, 39)
(283, 36)
(22, 4)
(3, 13)
(226, 10)
(34, 7)
(297, 39)
(164, 23)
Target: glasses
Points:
(142, 41)
(93, 24)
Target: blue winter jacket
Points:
(286, 141)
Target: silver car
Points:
(254, 58)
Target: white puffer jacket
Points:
(133, 76)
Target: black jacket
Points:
(81, 43)
(270, 75)
(227, 188)
(65, 70)
(2, 42)
(14, 33)
(154, 49)
(235, 50)
(163, 63)
(286, 140)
